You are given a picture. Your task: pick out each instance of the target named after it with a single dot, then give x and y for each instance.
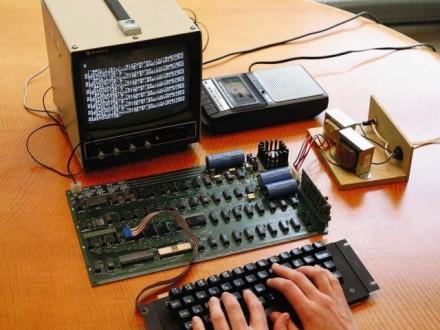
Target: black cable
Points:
(385, 161)
(328, 160)
(198, 24)
(282, 42)
(320, 57)
(69, 161)
(194, 18)
(49, 113)
(207, 35)
(52, 169)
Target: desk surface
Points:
(394, 228)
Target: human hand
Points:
(235, 314)
(315, 295)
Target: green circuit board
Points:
(227, 210)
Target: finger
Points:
(218, 319)
(274, 316)
(283, 322)
(292, 292)
(258, 318)
(298, 278)
(319, 277)
(334, 282)
(197, 323)
(234, 311)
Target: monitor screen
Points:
(133, 86)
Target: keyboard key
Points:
(238, 271)
(197, 310)
(174, 292)
(323, 256)
(250, 267)
(201, 295)
(238, 283)
(262, 275)
(259, 289)
(174, 305)
(338, 275)
(309, 260)
(296, 263)
(285, 256)
(184, 314)
(262, 264)
(296, 253)
(273, 260)
(201, 284)
(330, 265)
(188, 300)
(249, 279)
(225, 276)
(214, 291)
(226, 286)
(213, 280)
(188, 288)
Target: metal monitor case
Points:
(80, 28)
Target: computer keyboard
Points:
(176, 311)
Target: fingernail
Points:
(213, 298)
(269, 281)
(246, 291)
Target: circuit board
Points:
(227, 209)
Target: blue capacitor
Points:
(279, 174)
(225, 160)
(281, 188)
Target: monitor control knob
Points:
(147, 145)
(132, 148)
(116, 151)
(101, 155)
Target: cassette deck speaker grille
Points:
(278, 83)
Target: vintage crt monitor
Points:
(123, 96)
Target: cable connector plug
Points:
(75, 187)
(369, 122)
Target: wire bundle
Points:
(180, 221)
(322, 143)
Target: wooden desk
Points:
(394, 228)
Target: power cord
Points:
(320, 57)
(193, 17)
(286, 41)
(54, 116)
